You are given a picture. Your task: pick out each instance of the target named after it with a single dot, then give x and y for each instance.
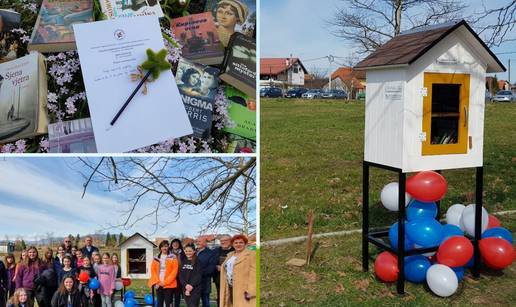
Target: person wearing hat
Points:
(229, 13)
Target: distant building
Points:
(6, 247)
(285, 72)
(349, 80)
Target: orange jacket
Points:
(171, 269)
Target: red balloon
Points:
(84, 277)
(126, 282)
(455, 251)
(386, 267)
(493, 222)
(427, 186)
(497, 253)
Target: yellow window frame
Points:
(461, 147)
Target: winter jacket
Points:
(61, 274)
(107, 277)
(171, 270)
(11, 283)
(207, 261)
(85, 251)
(77, 298)
(244, 280)
(26, 275)
(45, 284)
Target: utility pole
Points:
(331, 59)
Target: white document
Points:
(109, 52)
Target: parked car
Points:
(335, 94)
(312, 94)
(504, 96)
(271, 92)
(296, 92)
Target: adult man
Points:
(207, 260)
(221, 254)
(88, 248)
(68, 246)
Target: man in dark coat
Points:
(88, 248)
(221, 254)
(207, 261)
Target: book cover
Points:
(23, 98)
(198, 36)
(242, 111)
(8, 44)
(239, 66)
(198, 85)
(53, 31)
(130, 8)
(238, 144)
(74, 136)
(233, 16)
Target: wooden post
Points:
(309, 236)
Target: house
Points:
(425, 99)
(349, 80)
(286, 72)
(136, 254)
(504, 85)
(6, 247)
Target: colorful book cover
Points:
(8, 44)
(53, 31)
(74, 136)
(242, 111)
(23, 98)
(198, 85)
(198, 36)
(238, 144)
(239, 66)
(233, 16)
(130, 8)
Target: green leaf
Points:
(151, 55)
(155, 73)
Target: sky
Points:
(299, 27)
(43, 195)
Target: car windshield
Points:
(504, 93)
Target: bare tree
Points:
(496, 25)
(318, 72)
(223, 188)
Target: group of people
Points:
(176, 273)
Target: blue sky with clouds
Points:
(41, 195)
(298, 27)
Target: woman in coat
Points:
(68, 295)
(164, 270)
(238, 276)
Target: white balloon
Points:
(454, 213)
(442, 280)
(119, 286)
(119, 304)
(467, 220)
(389, 196)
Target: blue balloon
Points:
(130, 302)
(498, 232)
(420, 210)
(393, 237)
(148, 299)
(450, 230)
(425, 232)
(94, 284)
(129, 294)
(459, 271)
(416, 267)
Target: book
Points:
(23, 98)
(199, 39)
(237, 144)
(130, 8)
(53, 31)
(239, 66)
(8, 43)
(110, 52)
(233, 16)
(242, 111)
(74, 136)
(198, 86)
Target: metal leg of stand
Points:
(400, 287)
(365, 216)
(478, 219)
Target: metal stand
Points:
(375, 237)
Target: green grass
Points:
(311, 157)
(335, 278)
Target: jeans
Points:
(106, 300)
(205, 291)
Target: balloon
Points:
(442, 280)
(119, 285)
(418, 209)
(450, 230)
(393, 237)
(424, 232)
(119, 304)
(470, 263)
(497, 253)
(493, 222)
(467, 220)
(84, 277)
(386, 267)
(126, 282)
(459, 271)
(498, 232)
(130, 302)
(389, 196)
(94, 284)
(454, 213)
(416, 267)
(129, 294)
(427, 186)
(455, 251)
(148, 299)
(429, 254)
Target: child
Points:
(107, 277)
(23, 257)
(190, 276)
(79, 258)
(95, 256)
(28, 270)
(66, 270)
(68, 295)
(115, 262)
(10, 266)
(20, 298)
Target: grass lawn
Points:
(311, 157)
